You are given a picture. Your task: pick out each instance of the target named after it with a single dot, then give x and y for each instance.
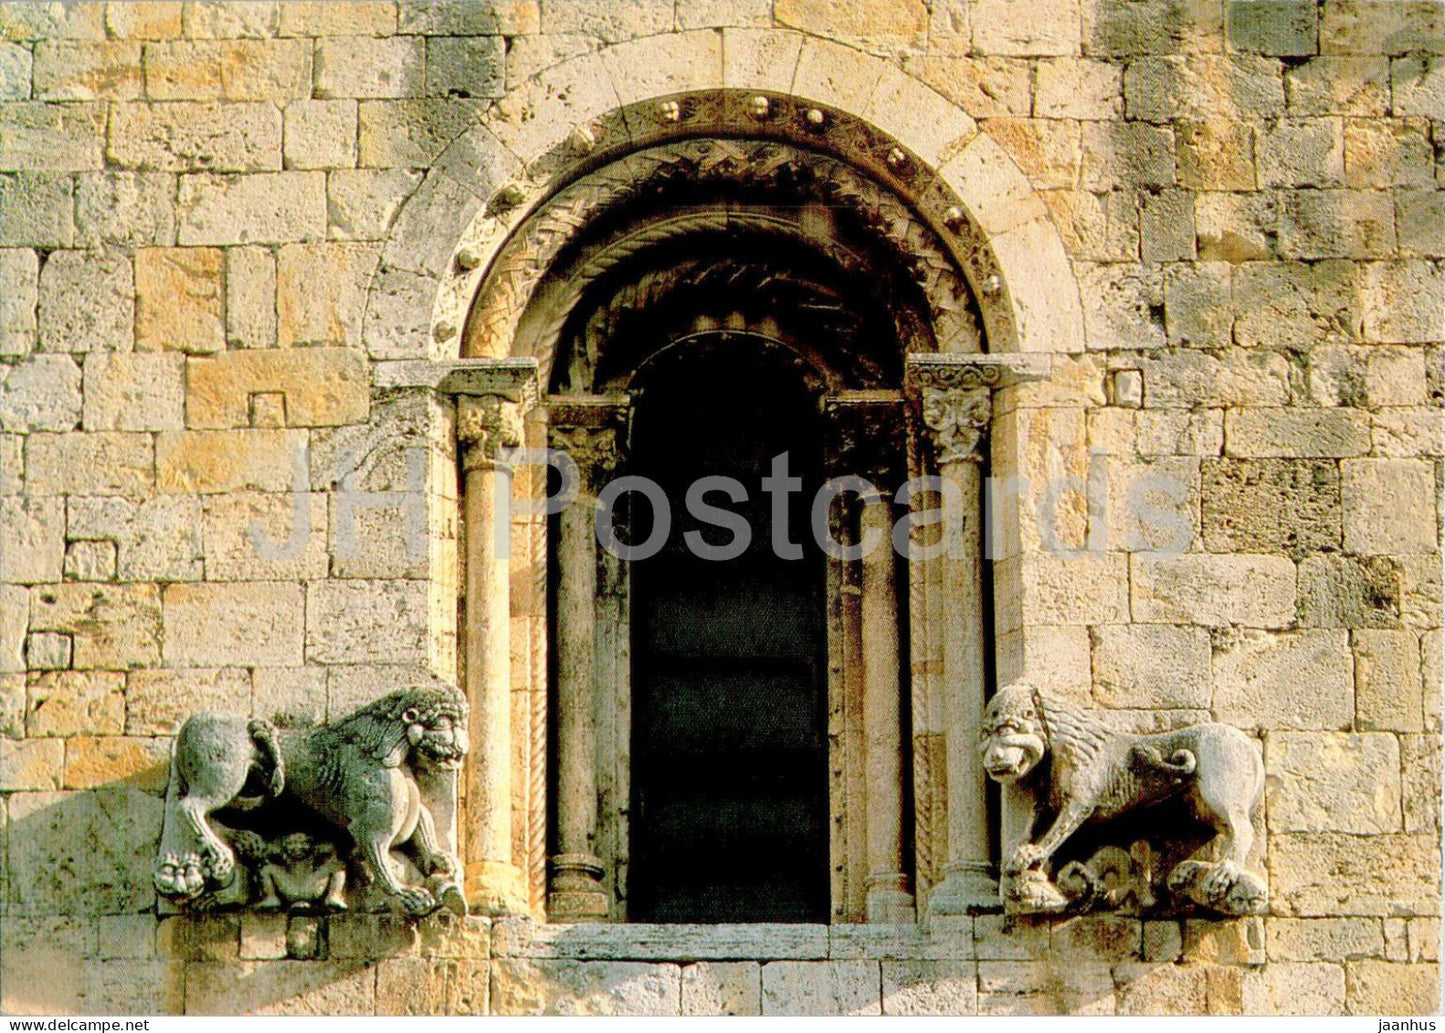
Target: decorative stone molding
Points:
(359, 775)
(1078, 770)
(954, 397)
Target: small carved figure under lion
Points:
(1080, 771)
(358, 775)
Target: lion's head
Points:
(1013, 739)
(428, 722)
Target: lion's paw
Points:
(220, 866)
(179, 876)
(417, 901)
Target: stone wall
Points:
(220, 223)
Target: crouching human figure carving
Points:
(1082, 771)
(359, 774)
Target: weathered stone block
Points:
(1166, 230)
(1236, 227)
(158, 702)
(1296, 305)
(250, 297)
(157, 539)
(1333, 782)
(465, 66)
(180, 296)
(366, 621)
(32, 540)
(985, 87)
(12, 464)
(1231, 377)
(1339, 86)
(1148, 988)
(1296, 433)
(183, 136)
(930, 988)
(722, 988)
(296, 694)
(265, 537)
(280, 988)
(248, 623)
(1388, 692)
(1256, 591)
(1270, 505)
(1336, 224)
(47, 651)
(1389, 506)
(1401, 302)
(1293, 988)
(36, 210)
(86, 302)
(20, 269)
(103, 463)
(207, 462)
(1300, 679)
(41, 393)
(1203, 86)
(1323, 939)
(1417, 84)
(412, 133)
(1126, 154)
(1383, 988)
(821, 988)
(265, 70)
(330, 18)
(320, 134)
(1381, 27)
(1327, 874)
(1096, 227)
(113, 627)
(93, 762)
(357, 66)
(1075, 88)
(128, 208)
(322, 386)
(1089, 938)
(16, 66)
(1420, 221)
(1382, 153)
(31, 764)
(321, 292)
(1122, 309)
(521, 987)
(1044, 988)
(1304, 152)
(66, 70)
(1148, 665)
(1092, 588)
(362, 203)
(1347, 592)
(52, 137)
(249, 19)
(274, 208)
(1420, 769)
(1273, 26)
(1215, 155)
(144, 19)
(133, 392)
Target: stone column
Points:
(954, 395)
(591, 434)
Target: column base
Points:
(968, 888)
(888, 900)
(495, 888)
(575, 893)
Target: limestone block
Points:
(1096, 227)
(1148, 988)
(93, 762)
(180, 299)
(1326, 874)
(330, 18)
(250, 297)
(411, 133)
(706, 14)
(1231, 377)
(1340, 86)
(1045, 988)
(1388, 693)
(1152, 506)
(1388, 153)
(634, 940)
(465, 66)
(1091, 588)
(1294, 988)
(129, 208)
(64, 703)
(207, 462)
(1256, 591)
(158, 539)
(104, 463)
(1236, 227)
(86, 302)
(280, 988)
(185, 70)
(369, 936)
(297, 694)
(1323, 939)
(246, 623)
(321, 292)
(36, 210)
(12, 713)
(320, 134)
(1420, 220)
(52, 137)
(1166, 231)
(1271, 505)
(984, 87)
(1381, 27)
(610, 20)
(1389, 506)
(1420, 768)
(265, 70)
(31, 764)
(127, 936)
(20, 270)
(1215, 155)
(397, 324)
(322, 386)
(1300, 679)
(32, 540)
(1336, 224)
(102, 839)
(416, 986)
(185, 136)
(1203, 86)
(363, 203)
(1375, 375)
(359, 66)
(453, 18)
(722, 988)
(243, 19)
(1301, 152)
(1144, 665)
(1294, 304)
(1420, 590)
(14, 617)
(252, 536)
(522, 987)
(929, 988)
(1045, 150)
(66, 70)
(821, 988)
(1125, 27)
(1401, 302)
(1430, 674)
(263, 936)
(366, 621)
(1296, 432)
(1079, 88)
(16, 64)
(1382, 988)
(113, 627)
(1089, 938)
(1333, 782)
(1126, 154)
(145, 19)
(133, 391)
(90, 561)
(447, 936)
(48, 651)
(1342, 591)
(12, 464)
(1273, 27)
(274, 208)
(158, 702)
(1417, 85)
(1424, 939)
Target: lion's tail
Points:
(263, 734)
(1181, 763)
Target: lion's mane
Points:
(379, 728)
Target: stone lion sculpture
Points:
(358, 773)
(1082, 771)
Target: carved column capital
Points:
(954, 397)
(592, 432)
(493, 395)
(487, 426)
(865, 435)
(956, 421)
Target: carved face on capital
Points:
(439, 737)
(1011, 740)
